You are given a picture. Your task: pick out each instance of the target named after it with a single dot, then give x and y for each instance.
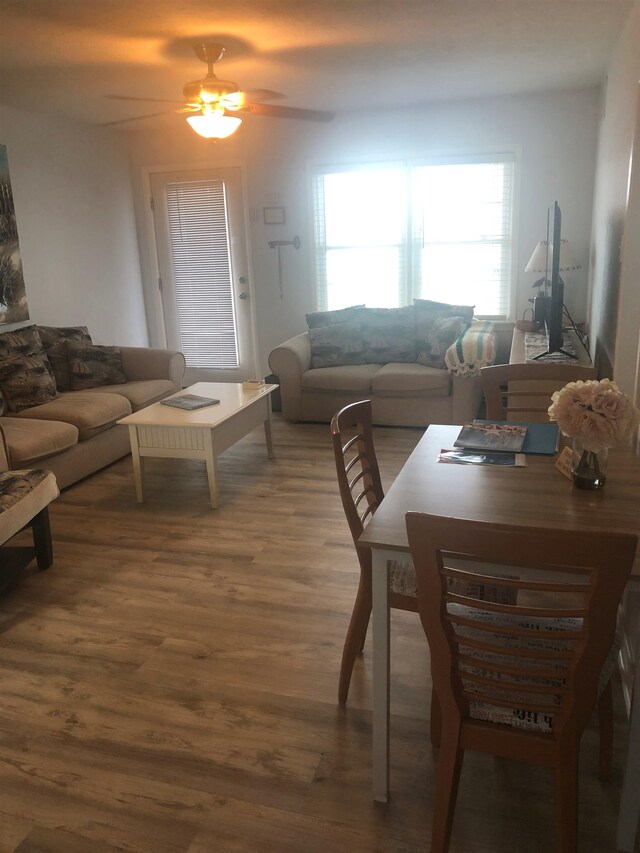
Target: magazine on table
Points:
(491, 435)
(189, 402)
(464, 456)
(541, 438)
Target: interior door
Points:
(203, 271)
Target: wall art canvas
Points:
(13, 297)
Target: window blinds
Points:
(202, 274)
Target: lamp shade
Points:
(568, 260)
(540, 260)
(214, 125)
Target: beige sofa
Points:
(76, 434)
(402, 393)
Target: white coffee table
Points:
(160, 430)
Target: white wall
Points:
(76, 226)
(554, 134)
(616, 300)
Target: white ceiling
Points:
(68, 56)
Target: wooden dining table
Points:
(536, 495)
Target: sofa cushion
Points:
(91, 366)
(337, 344)
(411, 380)
(438, 325)
(389, 334)
(26, 378)
(23, 494)
(355, 378)
(30, 441)
(90, 413)
(141, 392)
(330, 318)
(55, 340)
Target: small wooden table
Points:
(535, 496)
(160, 430)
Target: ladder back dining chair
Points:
(361, 494)
(517, 680)
(508, 400)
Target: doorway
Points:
(203, 271)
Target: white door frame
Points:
(158, 320)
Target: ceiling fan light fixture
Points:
(213, 90)
(214, 124)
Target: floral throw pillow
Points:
(436, 339)
(389, 335)
(55, 340)
(26, 379)
(320, 319)
(337, 345)
(427, 307)
(91, 366)
(438, 325)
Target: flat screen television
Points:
(555, 304)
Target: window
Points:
(442, 231)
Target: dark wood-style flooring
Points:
(170, 683)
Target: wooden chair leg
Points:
(447, 780)
(42, 539)
(566, 805)
(435, 725)
(356, 635)
(605, 722)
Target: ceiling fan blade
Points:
(131, 98)
(135, 118)
(257, 96)
(287, 112)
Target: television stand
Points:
(532, 346)
(560, 351)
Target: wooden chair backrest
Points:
(561, 577)
(356, 464)
(522, 392)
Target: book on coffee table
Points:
(189, 402)
(491, 435)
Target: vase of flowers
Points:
(588, 467)
(597, 415)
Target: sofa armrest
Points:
(150, 363)
(289, 361)
(466, 397)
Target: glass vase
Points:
(589, 469)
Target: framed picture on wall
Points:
(13, 297)
(273, 215)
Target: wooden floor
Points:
(170, 683)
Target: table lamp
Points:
(540, 261)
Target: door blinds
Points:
(201, 260)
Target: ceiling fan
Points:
(217, 105)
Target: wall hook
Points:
(273, 244)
